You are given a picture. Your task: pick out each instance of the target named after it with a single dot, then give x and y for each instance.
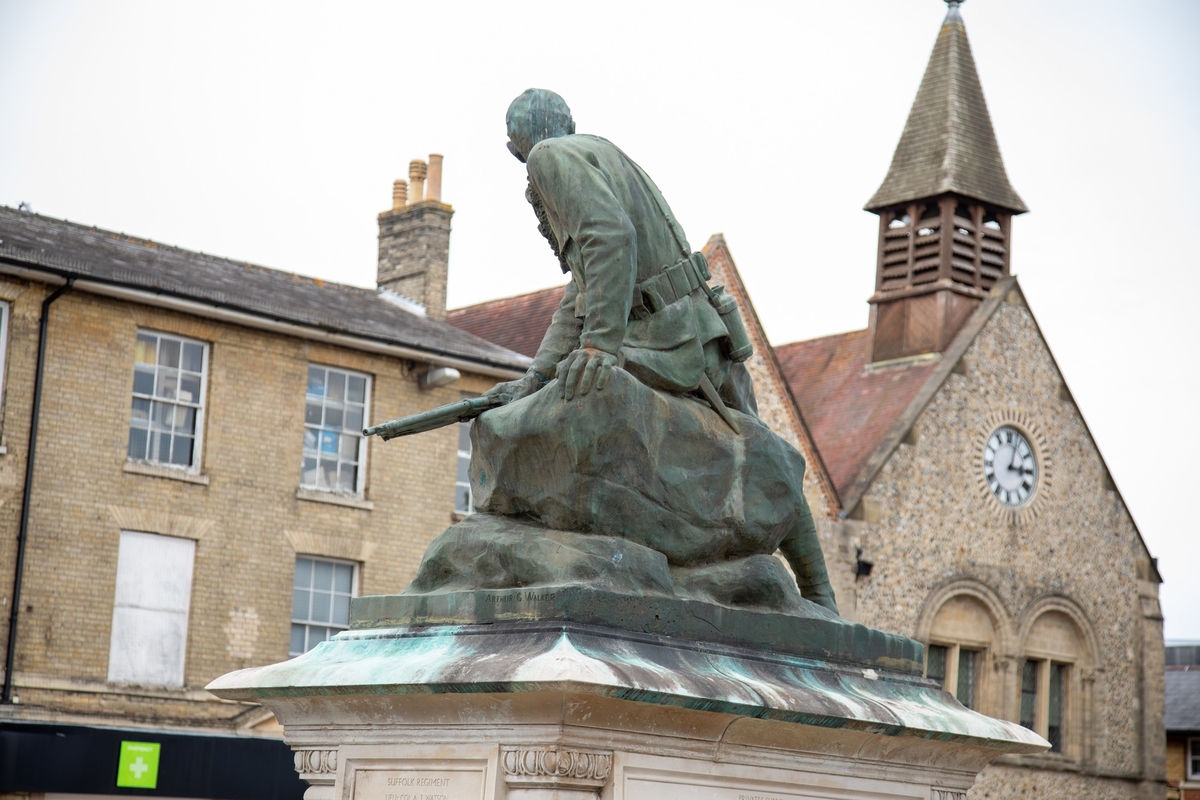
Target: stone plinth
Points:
(531, 705)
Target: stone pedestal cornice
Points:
(554, 767)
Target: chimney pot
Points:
(399, 194)
(433, 188)
(416, 181)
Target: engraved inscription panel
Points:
(637, 788)
(416, 783)
(663, 790)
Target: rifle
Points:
(434, 418)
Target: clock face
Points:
(1010, 467)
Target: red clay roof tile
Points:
(516, 323)
(849, 410)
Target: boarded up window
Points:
(150, 609)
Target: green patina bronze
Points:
(629, 503)
(635, 431)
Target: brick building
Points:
(1182, 721)
(199, 497)
(967, 503)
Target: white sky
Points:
(271, 132)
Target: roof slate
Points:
(1182, 700)
(948, 144)
(849, 409)
(518, 323)
(74, 250)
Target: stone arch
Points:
(1054, 630)
(1061, 604)
(969, 636)
(1001, 619)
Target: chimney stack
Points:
(414, 239)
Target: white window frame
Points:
(1193, 755)
(361, 478)
(460, 454)
(310, 622)
(200, 407)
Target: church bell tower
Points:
(945, 209)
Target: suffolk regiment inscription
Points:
(416, 783)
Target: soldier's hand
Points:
(583, 369)
(524, 386)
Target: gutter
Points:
(198, 308)
(211, 311)
(10, 656)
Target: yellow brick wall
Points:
(25, 309)
(247, 521)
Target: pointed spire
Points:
(948, 144)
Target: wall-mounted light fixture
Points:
(861, 567)
(437, 376)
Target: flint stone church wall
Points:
(1075, 543)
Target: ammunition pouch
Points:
(681, 279)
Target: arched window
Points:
(960, 652)
(1055, 655)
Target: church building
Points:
(971, 480)
(966, 503)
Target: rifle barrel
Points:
(434, 418)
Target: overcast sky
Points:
(271, 132)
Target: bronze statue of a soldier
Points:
(630, 455)
(637, 296)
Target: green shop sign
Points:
(138, 768)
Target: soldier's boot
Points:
(802, 549)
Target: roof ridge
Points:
(140, 241)
(504, 299)
(858, 332)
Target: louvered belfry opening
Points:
(917, 248)
(945, 209)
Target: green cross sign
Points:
(138, 768)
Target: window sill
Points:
(163, 471)
(57, 684)
(334, 499)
